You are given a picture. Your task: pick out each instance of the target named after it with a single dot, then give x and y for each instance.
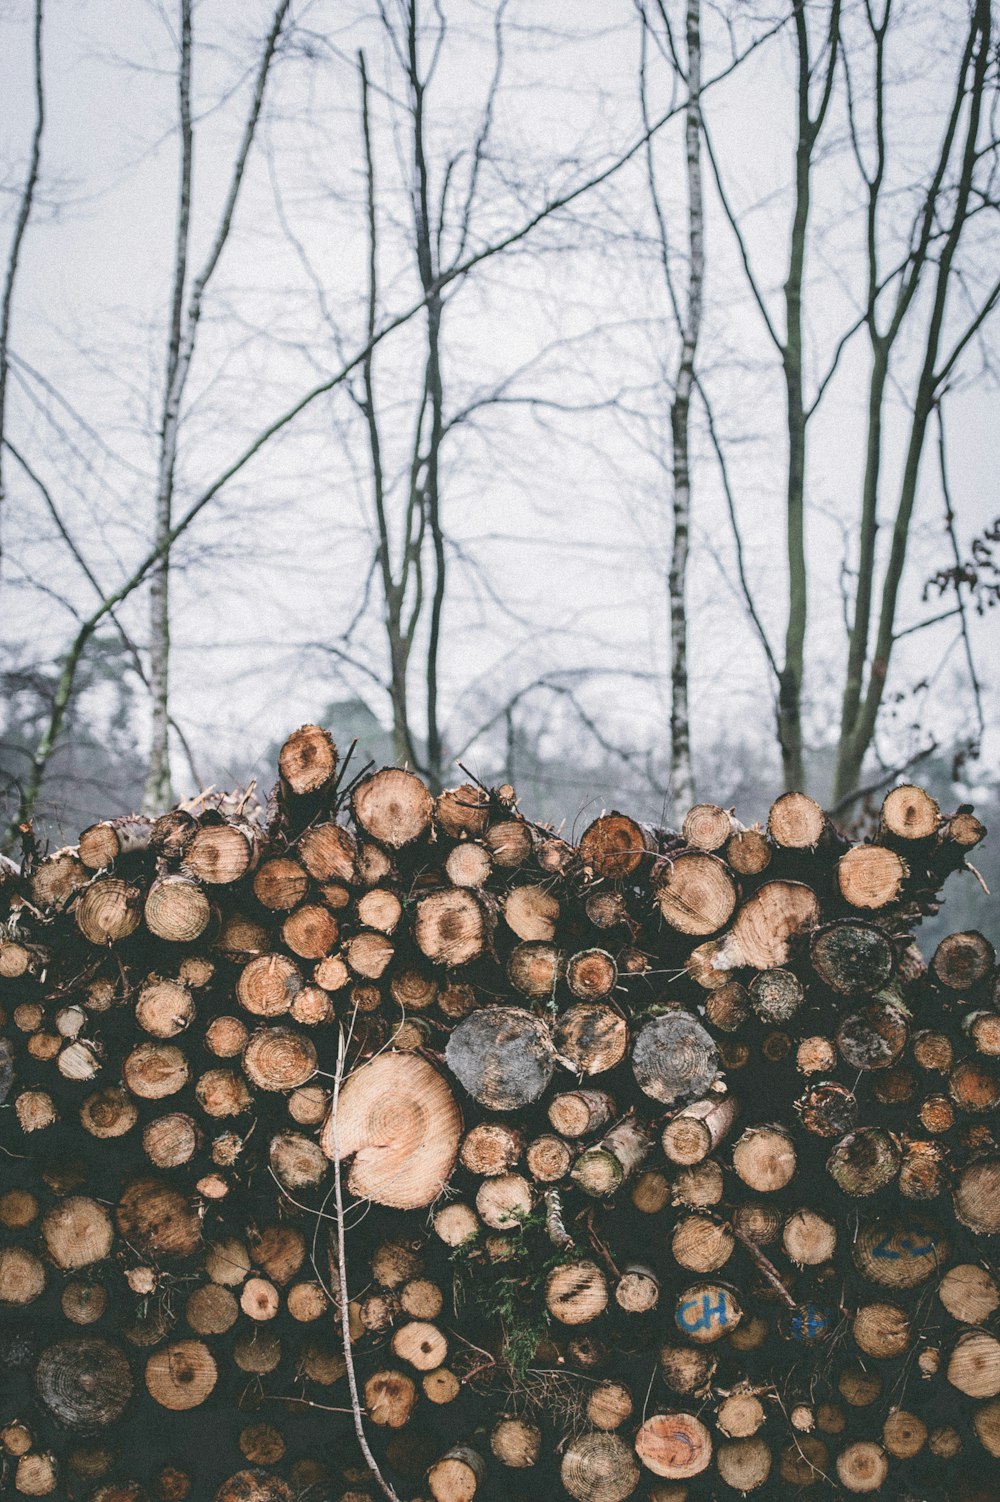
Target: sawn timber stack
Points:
(668, 1166)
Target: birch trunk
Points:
(158, 793)
(681, 773)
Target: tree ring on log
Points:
(398, 1120)
(503, 1056)
(85, 1382)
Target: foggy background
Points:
(558, 360)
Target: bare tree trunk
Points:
(862, 702)
(158, 793)
(807, 133)
(183, 336)
(434, 400)
(14, 257)
(681, 771)
(395, 590)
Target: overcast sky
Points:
(554, 499)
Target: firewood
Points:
(307, 762)
(393, 807)
(280, 884)
(740, 1415)
(580, 1113)
(676, 1446)
(764, 1158)
(748, 852)
(796, 822)
(57, 878)
(549, 1158)
(673, 1057)
(600, 1169)
(591, 1038)
(503, 1201)
(516, 1442)
(969, 1293)
(707, 827)
(22, 1276)
(221, 852)
(534, 969)
(871, 876)
(576, 1292)
(102, 844)
(598, 1467)
(502, 1056)
(698, 1129)
(696, 893)
(452, 927)
(462, 812)
(744, 1464)
(469, 865)
(591, 974)
(852, 958)
(637, 1291)
(700, 1244)
(109, 910)
(176, 909)
(491, 1147)
(615, 846)
(84, 1381)
(457, 1476)
(531, 912)
(609, 1405)
(399, 1122)
(909, 813)
(962, 960)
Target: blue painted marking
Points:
(709, 1312)
(809, 1323)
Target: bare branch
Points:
(20, 229)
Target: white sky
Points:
(558, 513)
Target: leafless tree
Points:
(687, 311)
(25, 205)
(185, 312)
(918, 297)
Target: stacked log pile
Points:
(654, 1164)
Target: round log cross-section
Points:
(398, 1120)
(591, 1037)
(392, 807)
(674, 1445)
(673, 1057)
(451, 926)
(598, 1467)
(503, 1056)
(696, 893)
(84, 1382)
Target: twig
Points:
(766, 1267)
(345, 1320)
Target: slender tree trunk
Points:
(158, 793)
(435, 399)
(862, 701)
(793, 670)
(681, 772)
(14, 256)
